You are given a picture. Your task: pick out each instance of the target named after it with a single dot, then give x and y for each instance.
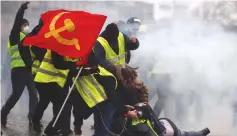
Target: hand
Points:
(133, 115)
(24, 5)
(133, 39)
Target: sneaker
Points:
(205, 132)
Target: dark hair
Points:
(129, 73)
(24, 21)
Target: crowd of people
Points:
(107, 86)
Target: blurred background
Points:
(193, 42)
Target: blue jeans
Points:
(104, 110)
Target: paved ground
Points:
(19, 127)
(217, 119)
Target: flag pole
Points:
(69, 92)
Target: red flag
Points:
(69, 33)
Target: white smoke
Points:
(200, 58)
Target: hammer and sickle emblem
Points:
(68, 25)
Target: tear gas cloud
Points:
(200, 57)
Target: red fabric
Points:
(82, 62)
(125, 115)
(86, 30)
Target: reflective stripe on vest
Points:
(35, 66)
(16, 60)
(139, 121)
(90, 90)
(47, 73)
(109, 52)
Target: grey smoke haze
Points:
(199, 56)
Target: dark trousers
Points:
(46, 94)
(57, 99)
(21, 77)
(81, 111)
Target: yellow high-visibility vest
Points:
(16, 60)
(47, 73)
(143, 121)
(36, 63)
(35, 66)
(110, 55)
(90, 90)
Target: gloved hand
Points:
(24, 5)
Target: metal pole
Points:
(69, 92)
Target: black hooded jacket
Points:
(100, 52)
(14, 39)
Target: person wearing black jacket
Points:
(44, 96)
(54, 93)
(21, 62)
(108, 83)
(57, 95)
(110, 34)
(43, 102)
(47, 91)
(135, 93)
